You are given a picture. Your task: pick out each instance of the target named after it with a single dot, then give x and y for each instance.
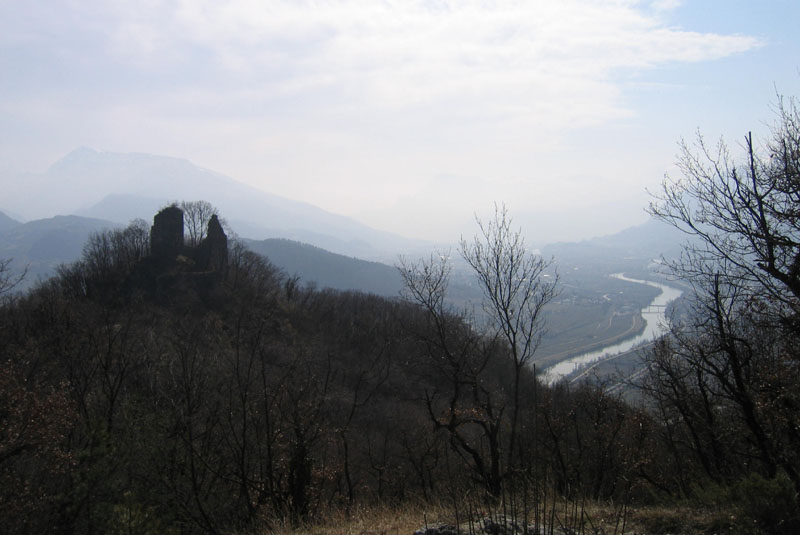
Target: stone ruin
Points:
(166, 234)
(212, 253)
(166, 242)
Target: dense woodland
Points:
(182, 393)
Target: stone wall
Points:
(166, 234)
(212, 254)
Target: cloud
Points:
(337, 99)
(553, 60)
(666, 5)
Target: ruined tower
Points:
(214, 249)
(166, 234)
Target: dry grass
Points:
(601, 520)
(378, 520)
(661, 520)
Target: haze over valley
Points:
(437, 267)
(93, 191)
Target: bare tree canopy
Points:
(725, 379)
(196, 215)
(516, 287)
(9, 279)
(744, 214)
(515, 284)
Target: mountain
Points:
(43, 244)
(632, 248)
(7, 223)
(120, 187)
(124, 208)
(329, 270)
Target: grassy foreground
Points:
(597, 520)
(377, 520)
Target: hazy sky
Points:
(410, 116)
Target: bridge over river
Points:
(656, 324)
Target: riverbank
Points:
(655, 324)
(636, 328)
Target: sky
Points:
(409, 116)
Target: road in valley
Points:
(656, 324)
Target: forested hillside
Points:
(172, 381)
(328, 270)
(153, 391)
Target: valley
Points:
(592, 310)
(383, 268)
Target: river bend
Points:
(656, 324)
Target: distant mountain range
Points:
(629, 249)
(41, 245)
(44, 243)
(7, 223)
(120, 187)
(105, 189)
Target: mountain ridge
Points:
(7, 222)
(85, 177)
(329, 270)
(39, 246)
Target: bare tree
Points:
(516, 287)
(196, 215)
(736, 354)
(8, 279)
(471, 409)
(744, 215)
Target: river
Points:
(656, 324)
